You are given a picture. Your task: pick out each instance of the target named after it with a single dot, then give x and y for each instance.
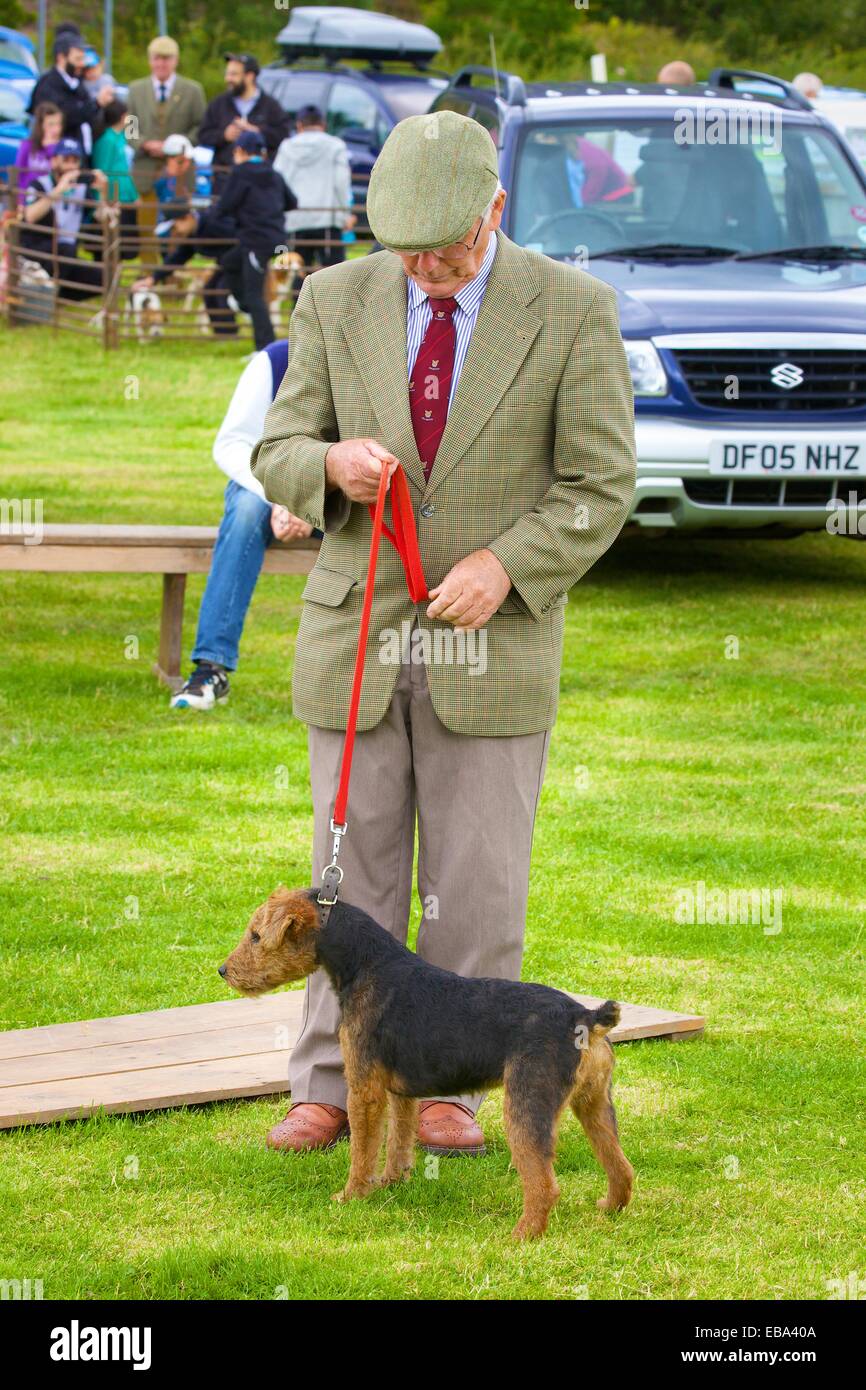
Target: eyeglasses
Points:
(457, 251)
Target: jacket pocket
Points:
(328, 587)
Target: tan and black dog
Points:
(411, 1030)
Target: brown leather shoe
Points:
(445, 1127)
(309, 1125)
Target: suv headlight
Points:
(647, 373)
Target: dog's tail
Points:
(605, 1017)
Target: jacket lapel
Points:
(375, 334)
(504, 331)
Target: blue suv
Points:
(730, 217)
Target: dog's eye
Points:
(254, 936)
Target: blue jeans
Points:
(244, 536)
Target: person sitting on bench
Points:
(248, 527)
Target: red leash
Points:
(404, 538)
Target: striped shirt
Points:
(419, 314)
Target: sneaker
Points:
(206, 685)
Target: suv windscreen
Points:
(583, 188)
(410, 97)
(295, 89)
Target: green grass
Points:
(742, 773)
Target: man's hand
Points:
(288, 527)
(67, 181)
(231, 132)
(471, 592)
(355, 466)
(104, 96)
(153, 148)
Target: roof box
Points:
(335, 31)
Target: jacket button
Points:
(428, 509)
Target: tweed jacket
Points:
(181, 114)
(536, 463)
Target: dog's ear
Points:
(286, 913)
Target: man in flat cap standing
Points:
(161, 105)
(497, 377)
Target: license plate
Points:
(744, 458)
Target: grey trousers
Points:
(475, 801)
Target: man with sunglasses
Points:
(499, 381)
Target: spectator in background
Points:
(176, 184)
(256, 199)
(55, 210)
(251, 211)
(33, 156)
(160, 105)
(110, 155)
(64, 86)
(808, 84)
(315, 166)
(676, 74)
(95, 79)
(249, 525)
(242, 106)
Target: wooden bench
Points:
(172, 551)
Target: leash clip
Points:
(332, 876)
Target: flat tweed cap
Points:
(435, 175)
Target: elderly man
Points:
(498, 379)
(160, 105)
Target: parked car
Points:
(740, 269)
(18, 73)
(17, 55)
(846, 109)
(14, 123)
(362, 103)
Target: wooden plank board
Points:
(141, 559)
(161, 1023)
(191, 1055)
(95, 534)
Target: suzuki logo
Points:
(787, 375)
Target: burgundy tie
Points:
(430, 383)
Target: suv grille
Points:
(814, 379)
(774, 492)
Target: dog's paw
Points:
(352, 1191)
(611, 1204)
(527, 1230)
(395, 1175)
